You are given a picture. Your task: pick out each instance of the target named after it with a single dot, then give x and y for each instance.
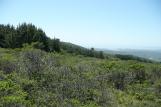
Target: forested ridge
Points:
(16, 37)
(38, 71)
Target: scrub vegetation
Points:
(37, 71)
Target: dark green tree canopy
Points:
(12, 37)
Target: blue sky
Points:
(111, 24)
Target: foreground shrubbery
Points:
(31, 77)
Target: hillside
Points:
(29, 34)
(148, 54)
(31, 77)
(37, 71)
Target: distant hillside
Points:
(148, 54)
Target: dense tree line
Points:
(15, 37)
(12, 37)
